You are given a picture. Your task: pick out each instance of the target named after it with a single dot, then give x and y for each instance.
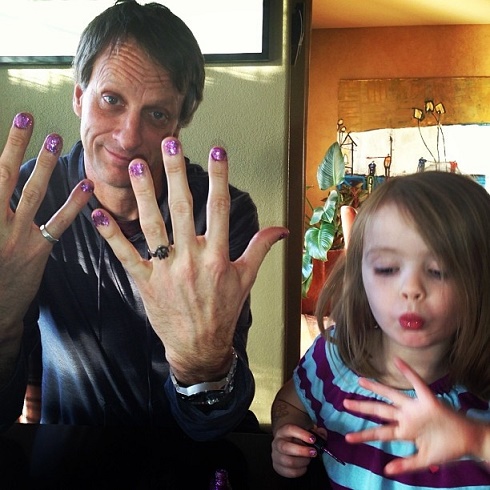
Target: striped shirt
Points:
(323, 382)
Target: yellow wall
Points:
(245, 110)
(385, 52)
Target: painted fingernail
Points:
(172, 147)
(22, 120)
(137, 169)
(313, 453)
(100, 218)
(87, 186)
(433, 468)
(218, 154)
(284, 235)
(53, 143)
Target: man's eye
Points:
(110, 99)
(159, 116)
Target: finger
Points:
(149, 213)
(382, 390)
(404, 465)
(218, 206)
(179, 195)
(12, 156)
(77, 199)
(377, 409)
(413, 378)
(35, 188)
(380, 433)
(128, 256)
(256, 251)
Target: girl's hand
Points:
(291, 454)
(439, 433)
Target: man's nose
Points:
(129, 132)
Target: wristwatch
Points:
(209, 392)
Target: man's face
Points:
(129, 105)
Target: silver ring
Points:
(161, 252)
(45, 233)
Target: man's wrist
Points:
(207, 392)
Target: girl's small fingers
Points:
(377, 409)
(385, 391)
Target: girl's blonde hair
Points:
(451, 212)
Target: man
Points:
(146, 322)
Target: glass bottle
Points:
(220, 480)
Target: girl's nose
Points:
(413, 287)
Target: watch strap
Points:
(224, 385)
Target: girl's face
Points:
(413, 299)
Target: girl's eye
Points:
(437, 274)
(384, 271)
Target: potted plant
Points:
(323, 229)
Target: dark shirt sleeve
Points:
(12, 394)
(203, 425)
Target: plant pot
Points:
(321, 271)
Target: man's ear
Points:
(77, 99)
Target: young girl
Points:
(414, 285)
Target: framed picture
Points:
(47, 31)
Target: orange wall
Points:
(383, 52)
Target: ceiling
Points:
(329, 14)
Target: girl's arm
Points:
(290, 428)
(440, 433)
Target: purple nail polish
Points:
(218, 154)
(172, 147)
(22, 120)
(100, 219)
(87, 186)
(137, 169)
(53, 143)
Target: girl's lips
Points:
(411, 321)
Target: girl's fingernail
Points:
(172, 147)
(313, 453)
(218, 154)
(53, 143)
(137, 169)
(87, 186)
(433, 468)
(100, 218)
(22, 120)
(284, 235)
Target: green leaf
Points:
(330, 207)
(318, 241)
(307, 273)
(331, 171)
